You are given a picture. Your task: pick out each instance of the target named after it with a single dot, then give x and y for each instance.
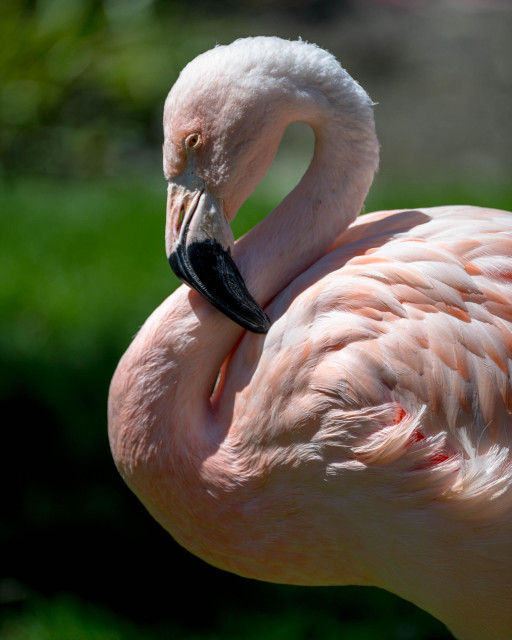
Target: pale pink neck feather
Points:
(305, 225)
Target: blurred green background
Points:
(82, 264)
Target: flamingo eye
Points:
(193, 141)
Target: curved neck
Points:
(324, 203)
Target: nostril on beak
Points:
(180, 218)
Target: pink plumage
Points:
(365, 437)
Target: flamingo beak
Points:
(198, 242)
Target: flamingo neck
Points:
(325, 202)
(159, 404)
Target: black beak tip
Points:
(209, 269)
(259, 325)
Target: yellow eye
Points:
(193, 141)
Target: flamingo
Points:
(328, 400)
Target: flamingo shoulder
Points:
(396, 346)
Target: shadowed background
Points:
(82, 264)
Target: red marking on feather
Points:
(400, 414)
(416, 436)
(437, 457)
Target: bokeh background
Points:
(82, 199)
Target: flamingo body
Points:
(364, 438)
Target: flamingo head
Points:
(223, 121)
